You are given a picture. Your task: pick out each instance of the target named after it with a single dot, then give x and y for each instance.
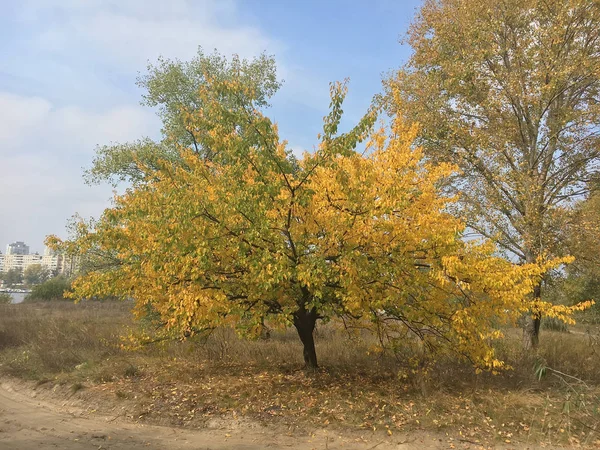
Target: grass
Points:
(40, 340)
(192, 382)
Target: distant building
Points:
(19, 261)
(17, 248)
(56, 263)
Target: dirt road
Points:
(27, 422)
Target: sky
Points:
(68, 72)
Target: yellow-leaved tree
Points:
(508, 90)
(255, 234)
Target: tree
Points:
(172, 87)
(509, 91)
(53, 289)
(35, 274)
(581, 238)
(13, 277)
(254, 234)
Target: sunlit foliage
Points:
(255, 234)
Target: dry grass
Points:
(39, 340)
(225, 376)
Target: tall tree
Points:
(254, 234)
(172, 86)
(509, 90)
(581, 238)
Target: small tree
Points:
(255, 234)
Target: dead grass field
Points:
(78, 347)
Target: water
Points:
(17, 297)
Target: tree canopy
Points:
(254, 233)
(171, 86)
(509, 91)
(581, 238)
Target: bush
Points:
(5, 298)
(53, 289)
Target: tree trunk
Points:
(305, 321)
(531, 330)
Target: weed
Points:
(131, 371)
(75, 387)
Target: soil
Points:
(29, 419)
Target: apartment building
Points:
(17, 257)
(17, 248)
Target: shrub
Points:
(5, 298)
(53, 289)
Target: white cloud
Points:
(31, 125)
(69, 76)
(42, 152)
(18, 115)
(128, 34)
(124, 36)
(87, 129)
(302, 86)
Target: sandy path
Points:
(30, 423)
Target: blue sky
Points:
(68, 70)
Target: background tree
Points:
(35, 274)
(581, 238)
(509, 91)
(172, 87)
(254, 234)
(55, 288)
(13, 277)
